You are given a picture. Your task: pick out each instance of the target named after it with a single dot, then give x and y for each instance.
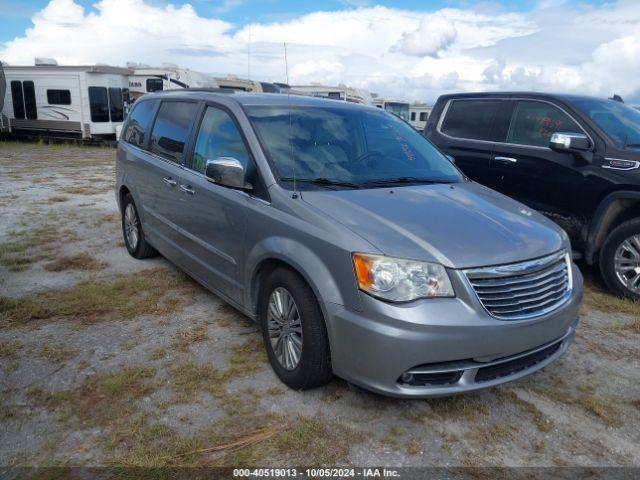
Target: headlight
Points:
(400, 280)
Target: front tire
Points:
(134, 238)
(294, 331)
(620, 260)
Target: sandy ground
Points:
(107, 360)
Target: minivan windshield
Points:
(620, 122)
(338, 147)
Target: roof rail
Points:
(197, 89)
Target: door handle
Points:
(506, 159)
(187, 189)
(170, 181)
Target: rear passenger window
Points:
(470, 119)
(171, 129)
(139, 121)
(218, 137)
(533, 123)
(98, 104)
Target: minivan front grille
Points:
(525, 289)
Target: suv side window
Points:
(533, 123)
(171, 129)
(218, 137)
(138, 124)
(470, 119)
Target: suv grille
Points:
(523, 290)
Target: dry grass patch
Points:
(80, 261)
(463, 406)
(540, 420)
(56, 353)
(9, 348)
(151, 292)
(186, 379)
(56, 199)
(247, 358)
(28, 246)
(82, 190)
(184, 338)
(598, 298)
(100, 399)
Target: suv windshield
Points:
(353, 147)
(620, 122)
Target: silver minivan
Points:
(359, 248)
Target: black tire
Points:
(142, 249)
(607, 255)
(314, 367)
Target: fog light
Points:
(407, 377)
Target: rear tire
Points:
(620, 260)
(134, 238)
(313, 366)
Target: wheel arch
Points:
(615, 209)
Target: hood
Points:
(460, 225)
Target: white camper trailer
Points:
(418, 115)
(401, 109)
(88, 102)
(341, 92)
(168, 77)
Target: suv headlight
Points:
(400, 280)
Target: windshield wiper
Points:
(321, 181)
(404, 180)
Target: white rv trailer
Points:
(341, 92)
(167, 77)
(418, 115)
(401, 109)
(88, 102)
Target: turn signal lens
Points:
(400, 280)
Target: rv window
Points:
(423, 116)
(139, 120)
(18, 99)
(98, 104)
(59, 97)
(30, 100)
(115, 104)
(171, 129)
(154, 84)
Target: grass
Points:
(100, 398)
(540, 420)
(184, 338)
(84, 190)
(56, 353)
(149, 292)
(29, 246)
(598, 298)
(190, 377)
(80, 261)
(10, 348)
(57, 199)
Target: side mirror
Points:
(227, 171)
(569, 142)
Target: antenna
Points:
(293, 160)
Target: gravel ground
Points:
(107, 360)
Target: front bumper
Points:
(452, 342)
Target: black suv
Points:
(574, 158)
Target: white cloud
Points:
(398, 53)
(434, 34)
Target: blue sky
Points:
(411, 50)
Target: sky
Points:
(403, 50)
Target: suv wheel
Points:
(294, 331)
(134, 238)
(620, 260)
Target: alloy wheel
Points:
(131, 226)
(285, 328)
(627, 263)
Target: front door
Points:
(525, 168)
(213, 224)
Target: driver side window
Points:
(218, 136)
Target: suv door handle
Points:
(506, 159)
(170, 181)
(187, 189)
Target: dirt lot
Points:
(107, 360)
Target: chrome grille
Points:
(525, 289)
